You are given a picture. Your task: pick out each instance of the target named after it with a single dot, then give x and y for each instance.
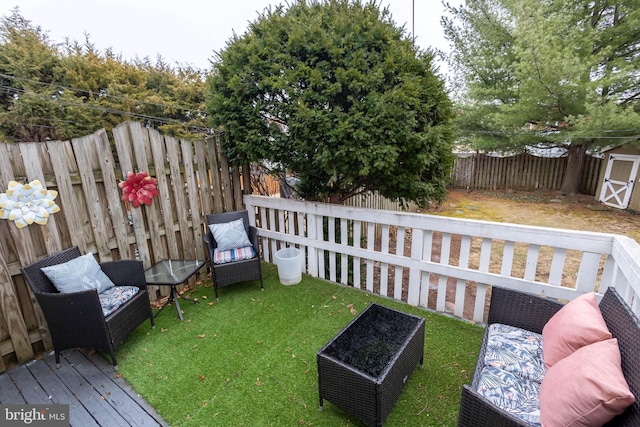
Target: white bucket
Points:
(289, 263)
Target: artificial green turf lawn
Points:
(250, 359)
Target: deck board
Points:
(86, 382)
(8, 391)
(60, 393)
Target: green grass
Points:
(250, 359)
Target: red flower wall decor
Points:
(139, 188)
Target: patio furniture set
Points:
(365, 367)
(98, 305)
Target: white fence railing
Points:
(443, 263)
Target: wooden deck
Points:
(86, 382)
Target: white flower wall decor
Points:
(25, 204)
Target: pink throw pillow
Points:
(586, 388)
(575, 325)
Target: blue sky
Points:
(185, 31)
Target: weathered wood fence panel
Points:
(193, 179)
(481, 172)
(521, 172)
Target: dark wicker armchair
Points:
(76, 319)
(237, 271)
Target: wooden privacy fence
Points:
(481, 172)
(520, 172)
(193, 179)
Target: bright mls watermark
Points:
(34, 415)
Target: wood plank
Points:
(124, 144)
(461, 285)
(272, 226)
(30, 390)
(331, 224)
(264, 224)
(236, 179)
(427, 252)
(9, 393)
(24, 242)
(301, 232)
(587, 272)
(314, 254)
(203, 178)
(214, 170)
(344, 259)
(117, 212)
(194, 233)
(481, 288)
(86, 394)
(442, 279)
(357, 233)
(507, 258)
(9, 299)
(142, 152)
(53, 385)
(322, 267)
(384, 266)
(370, 244)
(557, 266)
(413, 294)
(82, 147)
(76, 218)
(173, 154)
(227, 189)
(164, 198)
(102, 364)
(86, 382)
(532, 262)
(13, 319)
(33, 164)
(128, 408)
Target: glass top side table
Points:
(172, 272)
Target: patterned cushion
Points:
(221, 257)
(79, 274)
(114, 297)
(515, 350)
(230, 235)
(512, 393)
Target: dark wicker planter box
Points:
(364, 368)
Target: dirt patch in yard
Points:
(545, 209)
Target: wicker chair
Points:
(76, 319)
(237, 271)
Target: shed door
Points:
(619, 178)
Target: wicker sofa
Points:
(531, 313)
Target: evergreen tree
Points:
(561, 74)
(335, 93)
(70, 89)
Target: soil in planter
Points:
(370, 343)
